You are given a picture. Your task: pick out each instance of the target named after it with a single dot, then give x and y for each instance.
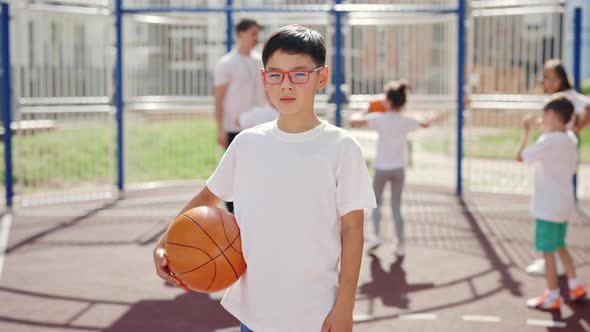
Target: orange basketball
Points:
(204, 249)
(377, 106)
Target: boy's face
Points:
(249, 38)
(289, 97)
(550, 80)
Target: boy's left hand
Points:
(339, 320)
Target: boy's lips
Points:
(287, 100)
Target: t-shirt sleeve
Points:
(221, 182)
(353, 185)
(536, 151)
(580, 103)
(411, 125)
(221, 74)
(373, 120)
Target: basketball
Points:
(377, 106)
(204, 249)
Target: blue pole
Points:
(230, 26)
(338, 64)
(577, 47)
(577, 69)
(460, 84)
(6, 100)
(119, 94)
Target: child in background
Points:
(554, 157)
(555, 81)
(390, 160)
(258, 115)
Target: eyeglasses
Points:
(275, 77)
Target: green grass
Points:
(496, 146)
(177, 150)
(183, 149)
(172, 150)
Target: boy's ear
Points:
(324, 76)
(262, 78)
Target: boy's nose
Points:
(286, 85)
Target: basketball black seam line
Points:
(214, 274)
(231, 245)
(222, 252)
(223, 225)
(225, 233)
(209, 236)
(198, 267)
(210, 258)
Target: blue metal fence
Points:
(6, 95)
(344, 23)
(338, 10)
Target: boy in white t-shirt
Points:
(554, 157)
(555, 82)
(300, 186)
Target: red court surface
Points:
(88, 267)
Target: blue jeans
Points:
(244, 328)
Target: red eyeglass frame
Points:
(288, 74)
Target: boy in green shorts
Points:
(554, 158)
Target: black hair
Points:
(395, 92)
(562, 106)
(557, 66)
(296, 39)
(246, 23)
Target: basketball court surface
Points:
(88, 267)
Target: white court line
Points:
(545, 323)
(229, 329)
(479, 318)
(361, 318)
(418, 316)
(4, 230)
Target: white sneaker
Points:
(544, 302)
(400, 250)
(372, 242)
(537, 268)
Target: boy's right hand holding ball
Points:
(162, 269)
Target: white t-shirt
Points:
(580, 103)
(289, 191)
(554, 157)
(244, 91)
(393, 130)
(258, 115)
